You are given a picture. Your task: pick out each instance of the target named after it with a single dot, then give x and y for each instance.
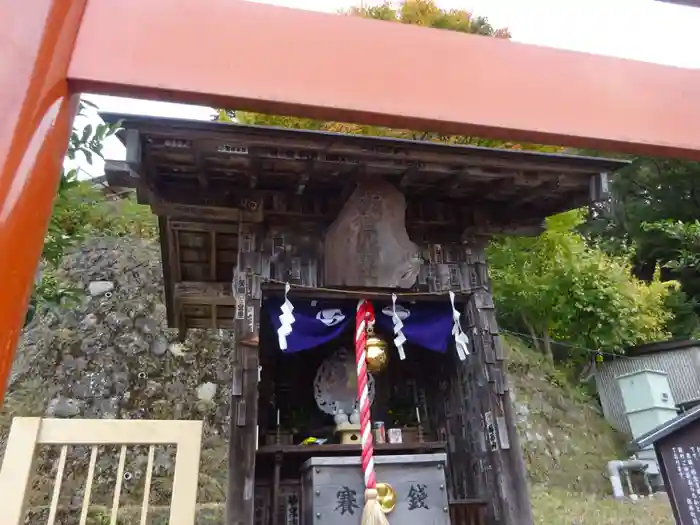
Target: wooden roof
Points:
(203, 179)
(194, 161)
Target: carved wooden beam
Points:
(323, 145)
(193, 226)
(170, 143)
(163, 207)
(219, 193)
(195, 292)
(316, 206)
(348, 293)
(437, 163)
(207, 324)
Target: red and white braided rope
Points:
(365, 315)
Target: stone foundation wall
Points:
(110, 355)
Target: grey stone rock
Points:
(206, 392)
(102, 408)
(100, 287)
(159, 347)
(177, 349)
(117, 321)
(146, 325)
(88, 322)
(92, 385)
(63, 407)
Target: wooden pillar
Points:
(243, 437)
(244, 403)
(486, 463)
(511, 504)
(37, 112)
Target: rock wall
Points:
(110, 355)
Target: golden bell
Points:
(386, 495)
(377, 354)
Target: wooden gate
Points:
(28, 432)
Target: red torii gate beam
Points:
(270, 59)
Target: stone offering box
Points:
(333, 489)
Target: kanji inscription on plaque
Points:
(685, 464)
(417, 496)
(680, 454)
(346, 501)
(335, 491)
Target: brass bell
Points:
(377, 354)
(386, 495)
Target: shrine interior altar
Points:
(307, 469)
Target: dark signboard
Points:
(679, 455)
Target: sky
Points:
(645, 30)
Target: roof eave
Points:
(130, 121)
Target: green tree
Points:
(557, 287)
(75, 201)
(415, 12)
(426, 13)
(652, 218)
(74, 207)
(685, 237)
(648, 191)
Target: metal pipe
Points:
(614, 469)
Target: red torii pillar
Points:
(271, 59)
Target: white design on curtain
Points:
(286, 319)
(330, 316)
(400, 339)
(461, 339)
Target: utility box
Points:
(649, 403)
(648, 400)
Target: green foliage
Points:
(685, 323)
(426, 13)
(557, 287)
(53, 290)
(122, 217)
(684, 240)
(74, 200)
(72, 209)
(88, 141)
(80, 210)
(652, 218)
